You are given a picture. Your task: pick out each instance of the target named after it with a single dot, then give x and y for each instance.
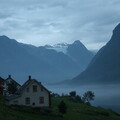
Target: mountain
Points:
(76, 51)
(47, 65)
(79, 53)
(17, 61)
(105, 66)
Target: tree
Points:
(72, 93)
(62, 107)
(1, 85)
(78, 99)
(12, 88)
(88, 96)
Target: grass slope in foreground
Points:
(75, 111)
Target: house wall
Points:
(34, 97)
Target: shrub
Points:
(72, 93)
(62, 107)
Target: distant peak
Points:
(4, 37)
(78, 43)
(48, 46)
(117, 27)
(116, 31)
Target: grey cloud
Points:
(4, 15)
(53, 21)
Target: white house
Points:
(32, 93)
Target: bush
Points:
(62, 107)
(72, 93)
(88, 103)
(78, 99)
(88, 96)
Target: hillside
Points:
(75, 111)
(105, 66)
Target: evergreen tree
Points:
(88, 96)
(12, 88)
(62, 107)
(72, 93)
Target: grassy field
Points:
(75, 111)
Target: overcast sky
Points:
(41, 22)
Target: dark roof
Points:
(11, 97)
(27, 84)
(13, 81)
(1, 80)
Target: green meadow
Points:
(75, 111)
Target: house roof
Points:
(1, 80)
(25, 85)
(9, 77)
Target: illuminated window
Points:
(41, 100)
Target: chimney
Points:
(29, 78)
(9, 76)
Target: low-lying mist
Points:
(107, 96)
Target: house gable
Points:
(27, 85)
(10, 79)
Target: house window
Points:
(27, 89)
(3, 83)
(41, 88)
(27, 100)
(34, 88)
(15, 101)
(41, 100)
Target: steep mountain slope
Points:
(105, 66)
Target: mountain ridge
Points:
(104, 67)
(21, 60)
